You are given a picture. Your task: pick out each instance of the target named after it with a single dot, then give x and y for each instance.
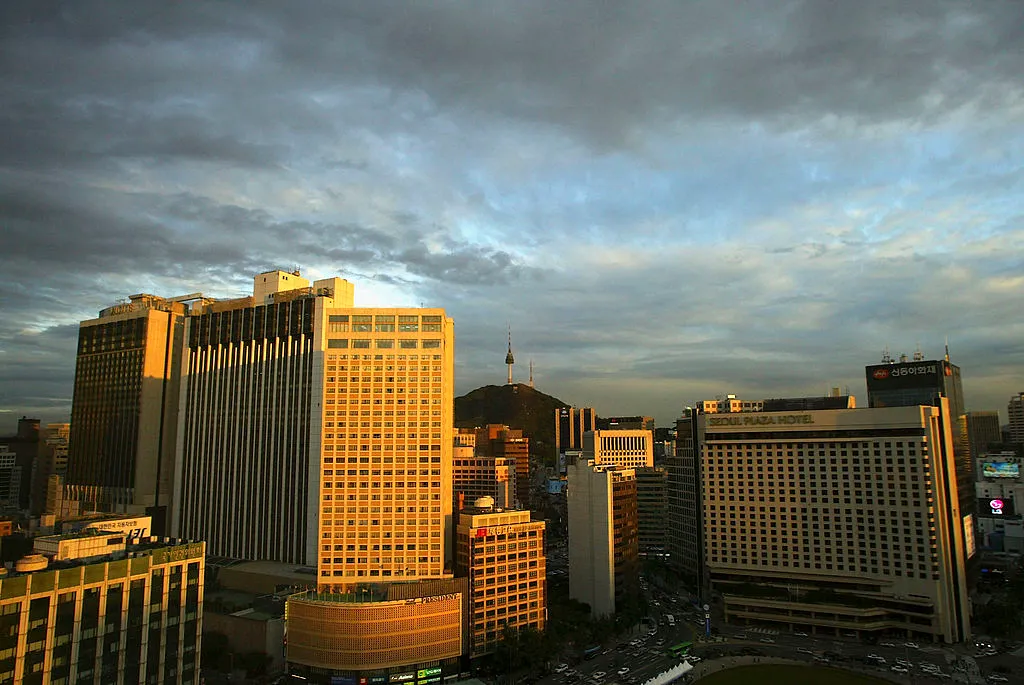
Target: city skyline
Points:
(666, 205)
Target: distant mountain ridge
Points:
(516, 406)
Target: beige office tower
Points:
(836, 521)
(633, 449)
(124, 409)
(603, 567)
(476, 477)
(502, 554)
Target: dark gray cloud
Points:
(668, 200)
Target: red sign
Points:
(481, 532)
(881, 373)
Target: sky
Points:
(666, 201)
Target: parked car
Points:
(623, 671)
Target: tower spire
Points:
(509, 359)
(531, 373)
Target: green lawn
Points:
(770, 674)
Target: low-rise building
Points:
(90, 608)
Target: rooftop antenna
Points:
(947, 348)
(919, 355)
(886, 358)
(531, 373)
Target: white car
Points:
(886, 644)
(801, 634)
(598, 674)
(804, 650)
(623, 671)
(561, 668)
(899, 669)
(767, 640)
(996, 678)
(911, 645)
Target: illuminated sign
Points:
(969, 544)
(427, 672)
(881, 374)
(436, 598)
(760, 419)
(1000, 469)
(995, 506)
(401, 677)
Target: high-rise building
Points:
(632, 448)
(570, 425)
(837, 521)
(1015, 411)
(501, 552)
(124, 410)
(28, 449)
(685, 522)
(339, 429)
(982, 431)
(92, 608)
(10, 480)
(924, 382)
(52, 462)
(603, 530)
(652, 511)
(513, 445)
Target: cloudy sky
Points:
(668, 201)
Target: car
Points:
(821, 659)
(660, 642)
(561, 668)
(875, 657)
(911, 645)
(886, 644)
(996, 678)
(804, 650)
(741, 636)
(800, 634)
(904, 663)
(694, 658)
(768, 640)
(598, 675)
(899, 669)
(623, 671)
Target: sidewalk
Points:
(706, 668)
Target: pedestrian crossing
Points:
(762, 631)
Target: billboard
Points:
(995, 507)
(1000, 469)
(906, 375)
(969, 544)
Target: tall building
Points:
(28, 449)
(336, 445)
(501, 552)
(603, 530)
(924, 382)
(52, 462)
(632, 448)
(652, 512)
(570, 425)
(91, 608)
(837, 521)
(10, 480)
(982, 431)
(685, 521)
(1015, 411)
(513, 445)
(125, 406)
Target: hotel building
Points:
(836, 521)
(501, 552)
(603, 545)
(89, 608)
(125, 406)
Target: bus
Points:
(680, 650)
(591, 652)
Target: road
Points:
(650, 659)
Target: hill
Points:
(516, 406)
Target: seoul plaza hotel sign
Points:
(758, 419)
